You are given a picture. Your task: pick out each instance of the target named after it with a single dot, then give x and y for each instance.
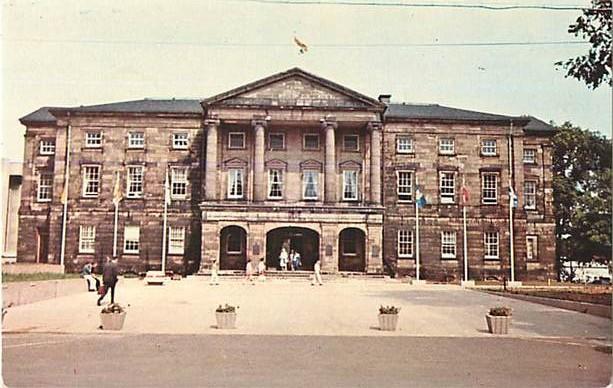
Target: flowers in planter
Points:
(500, 311)
(389, 310)
(226, 309)
(113, 308)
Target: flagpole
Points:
(65, 193)
(464, 199)
(417, 235)
(116, 203)
(511, 202)
(166, 194)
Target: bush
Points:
(501, 311)
(226, 309)
(388, 310)
(113, 308)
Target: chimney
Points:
(385, 98)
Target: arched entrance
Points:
(351, 255)
(232, 248)
(302, 240)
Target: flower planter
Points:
(498, 324)
(226, 320)
(112, 321)
(388, 322)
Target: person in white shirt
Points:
(261, 270)
(249, 272)
(317, 275)
(214, 273)
(283, 259)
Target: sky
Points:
(67, 53)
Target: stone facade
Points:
(291, 161)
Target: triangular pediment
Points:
(276, 164)
(311, 164)
(350, 165)
(235, 163)
(295, 88)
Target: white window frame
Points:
(87, 180)
(129, 181)
(405, 237)
(131, 246)
(304, 142)
(357, 143)
(402, 188)
(491, 240)
(530, 197)
(489, 200)
(176, 240)
(448, 244)
(235, 173)
(532, 254)
(47, 147)
(447, 192)
(136, 139)
(87, 239)
(406, 148)
(490, 149)
(93, 139)
(235, 134)
(446, 146)
(177, 181)
(278, 173)
(180, 140)
(357, 187)
(270, 135)
(305, 184)
(46, 189)
(531, 159)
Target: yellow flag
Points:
(117, 196)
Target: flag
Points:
(303, 47)
(64, 197)
(465, 195)
(167, 189)
(420, 199)
(512, 197)
(117, 196)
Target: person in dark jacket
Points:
(109, 278)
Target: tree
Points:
(582, 194)
(594, 68)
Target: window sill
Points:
(449, 259)
(235, 148)
(405, 152)
(446, 154)
(43, 201)
(179, 148)
(490, 155)
(492, 259)
(131, 253)
(406, 258)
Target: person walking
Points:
(283, 259)
(261, 270)
(249, 272)
(317, 274)
(214, 273)
(109, 279)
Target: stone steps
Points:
(296, 275)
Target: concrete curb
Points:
(582, 307)
(19, 293)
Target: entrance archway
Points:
(302, 240)
(232, 248)
(351, 257)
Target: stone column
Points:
(259, 178)
(210, 175)
(329, 125)
(375, 162)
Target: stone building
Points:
(291, 161)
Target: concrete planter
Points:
(498, 324)
(112, 321)
(226, 320)
(388, 322)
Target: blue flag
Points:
(420, 199)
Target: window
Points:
(448, 246)
(349, 242)
(350, 185)
(176, 240)
(91, 181)
(180, 141)
(488, 147)
(491, 245)
(310, 182)
(447, 187)
(136, 140)
(446, 146)
(489, 189)
(405, 243)
(275, 184)
(404, 185)
(93, 139)
(532, 248)
(276, 141)
(87, 239)
(530, 194)
(178, 182)
(311, 141)
(47, 147)
(351, 143)
(236, 140)
(235, 243)
(131, 238)
(235, 183)
(45, 187)
(529, 155)
(404, 144)
(134, 182)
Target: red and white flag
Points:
(465, 195)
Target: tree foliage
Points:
(594, 25)
(582, 194)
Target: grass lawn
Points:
(33, 277)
